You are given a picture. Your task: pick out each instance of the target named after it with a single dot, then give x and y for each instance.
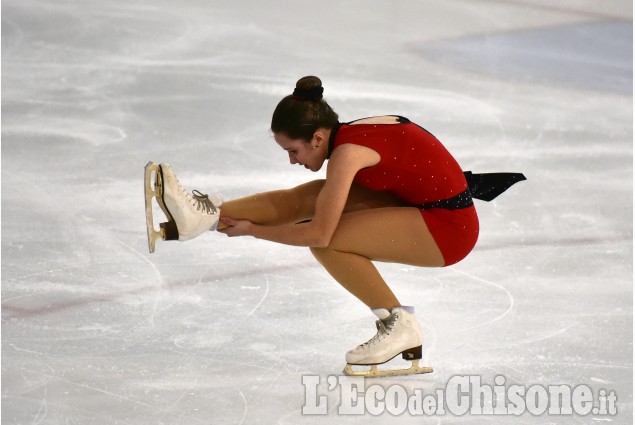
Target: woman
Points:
(392, 193)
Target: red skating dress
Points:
(418, 169)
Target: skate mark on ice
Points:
(548, 336)
(20, 312)
(595, 365)
(262, 299)
(506, 375)
(556, 9)
(218, 354)
(42, 410)
(34, 385)
(295, 412)
(198, 357)
(555, 243)
(427, 325)
(56, 270)
(24, 350)
(159, 277)
(92, 133)
(274, 361)
(587, 369)
(195, 360)
(512, 301)
(7, 300)
(245, 405)
(18, 34)
(151, 407)
(518, 371)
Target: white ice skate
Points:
(189, 215)
(398, 332)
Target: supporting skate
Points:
(376, 372)
(398, 332)
(188, 215)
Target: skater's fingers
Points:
(229, 231)
(229, 228)
(228, 221)
(235, 227)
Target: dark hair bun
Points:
(309, 88)
(308, 82)
(301, 114)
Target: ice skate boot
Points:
(398, 332)
(188, 215)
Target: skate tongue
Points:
(389, 322)
(410, 309)
(382, 313)
(382, 330)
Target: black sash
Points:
(480, 186)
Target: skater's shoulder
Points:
(380, 120)
(354, 155)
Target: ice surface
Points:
(95, 330)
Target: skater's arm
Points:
(345, 162)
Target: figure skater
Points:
(392, 193)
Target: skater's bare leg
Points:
(275, 207)
(397, 235)
(297, 204)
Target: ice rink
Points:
(95, 330)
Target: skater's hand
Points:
(235, 227)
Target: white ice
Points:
(95, 330)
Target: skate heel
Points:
(170, 232)
(412, 353)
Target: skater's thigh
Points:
(300, 201)
(359, 197)
(392, 234)
(276, 206)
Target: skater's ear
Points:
(319, 137)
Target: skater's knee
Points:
(304, 193)
(311, 189)
(319, 253)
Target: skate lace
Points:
(384, 327)
(203, 202)
(199, 200)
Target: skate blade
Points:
(375, 372)
(153, 189)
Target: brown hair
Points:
(301, 114)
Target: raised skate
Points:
(153, 190)
(397, 333)
(188, 215)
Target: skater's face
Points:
(311, 154)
